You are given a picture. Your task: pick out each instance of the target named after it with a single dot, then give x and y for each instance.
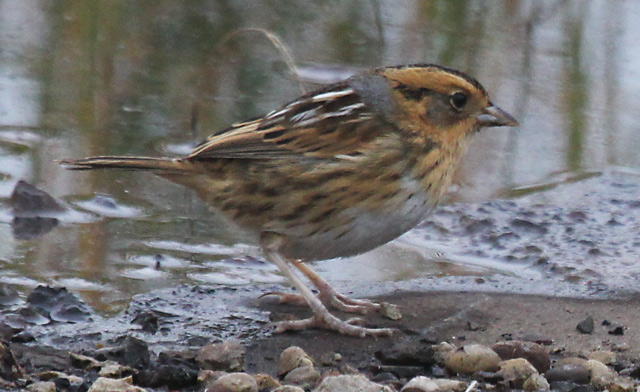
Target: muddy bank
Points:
(162, 333)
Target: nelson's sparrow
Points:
(336, 172)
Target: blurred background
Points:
(81, 78)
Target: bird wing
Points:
(328, 123)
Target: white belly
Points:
(367, 230)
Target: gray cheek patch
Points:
(376, 93)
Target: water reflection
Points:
(84, 78)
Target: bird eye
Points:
(458, 101)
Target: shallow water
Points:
(109, 77)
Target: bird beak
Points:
(493, 116)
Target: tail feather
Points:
(123, 163)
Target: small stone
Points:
(536, 382)
(535, 353)
(571, 361)
(331, 359)
(472, 358)
(288, 388)
(622, 384)
(44, 386)
(616, 330)
(604, 356)
(572, 372)
(601, 375)
(426, 384)
(209, 376)
(350, 383)
(129, 351)
(390, 311)
(441, 350)
(83, 361)
(291, 358)
(113, 369)
(104, 384)
(227, 356)
(516, 371)
(302, 376)
(407, 352)
(586, 326)
(266, 382)
(233, 382)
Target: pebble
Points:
(350, 383)
(573, 372)
(604, 356)
(471, 358)
(113, 369)
(571, 361)
(83, 361)
(293, 357)
(104, 384)
(233, 382)
(227, 356)
(390, 311)
(536, 382)
(303, 376)
(266, 382)
(44, 386)
(535, 353)
(601, 375)
(516, 371)
(128, 351)
(408, 352)
(288, 388)
(586, 326)
(426, 384)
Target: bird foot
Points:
(328, 321)
(335, 299)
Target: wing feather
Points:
(328, 123)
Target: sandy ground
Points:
(462, 318)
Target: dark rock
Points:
(568, 386)
(571, 372)
(41, 358)
(616, 329)
(25, 229)
(529, 226)
(62, 384)
(29, 201)
(586, 326)
(34, 316)
(9, 296)
(10, 370)
(385, 378)
(58, 304)
(129, 351)
(185, 358)
(407, 353)
(174, 377)
(148, 321)
(532, 352)
(490, 377)
(22, 337)
(398, 371)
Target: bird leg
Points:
(327, 294)
(321, 316)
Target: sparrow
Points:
(334, 173)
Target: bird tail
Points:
(124, 163)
